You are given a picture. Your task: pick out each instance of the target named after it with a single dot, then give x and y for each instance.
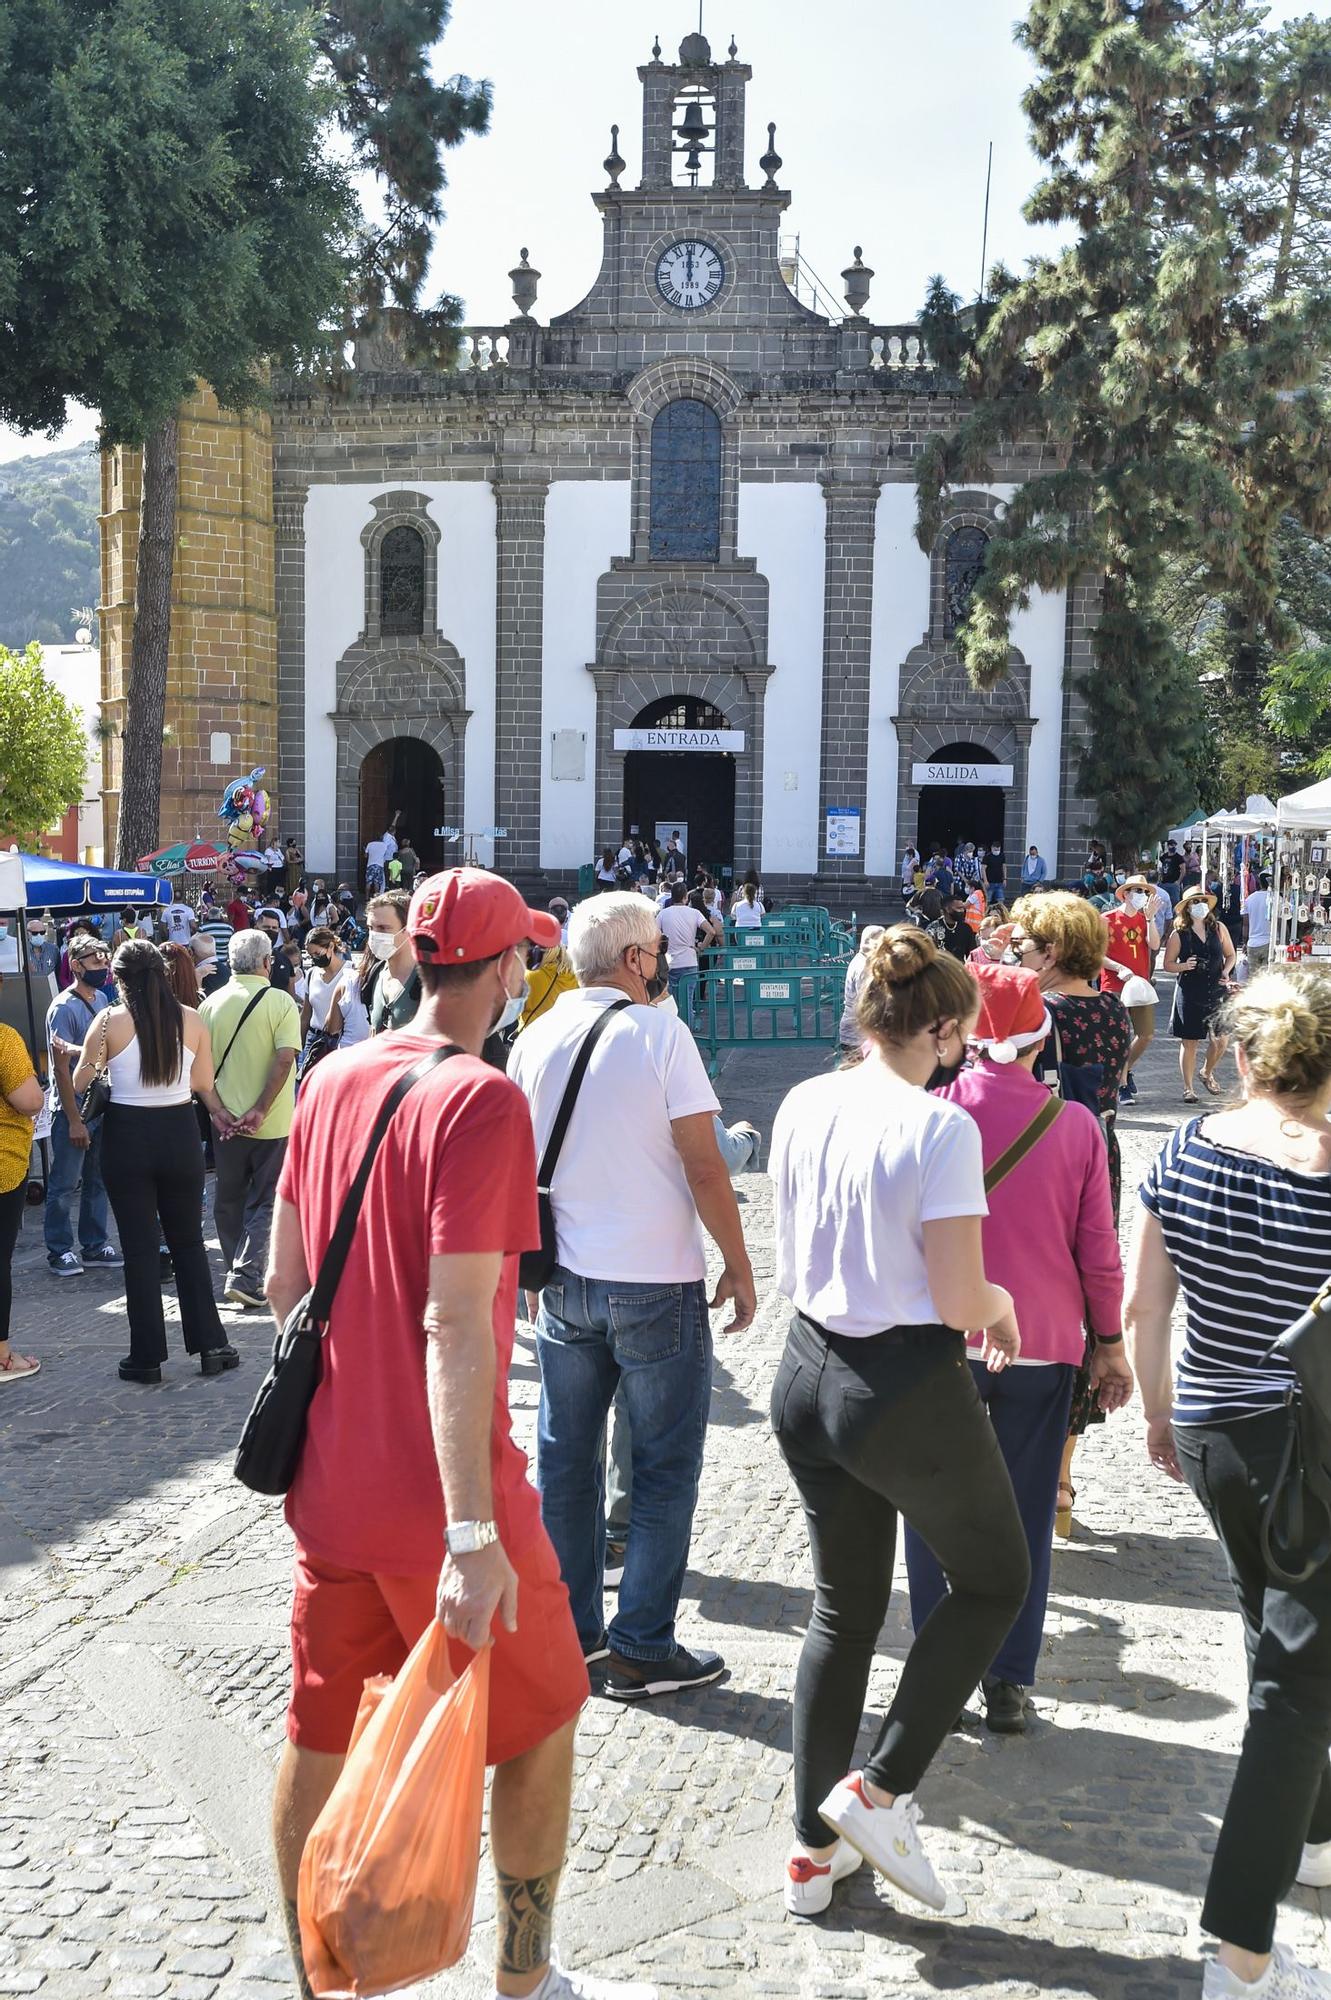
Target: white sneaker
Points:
(561, 1985)
(885, 1836)
(1285, 1978)
(1315, 1865)
(809, 1883)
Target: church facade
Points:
(649, 566)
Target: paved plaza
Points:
(143, 1679)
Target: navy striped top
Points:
(1251, 1243)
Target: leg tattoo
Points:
(526, 1916)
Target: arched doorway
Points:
(693, 790)
(403, 775)
(952, 813)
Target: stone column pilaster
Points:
(289, 575)
(520, 492)
(1076, 813)
(851, 494)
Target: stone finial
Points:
(524, 281)
(656, 50)
(733, 50)
(856, 279)
(612, 162)
(771, 159)
(695, 52)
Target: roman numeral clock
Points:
(689, 274)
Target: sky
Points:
(884, 112)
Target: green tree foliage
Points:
(48, 546)
(940, 323)
(43, 750)
(398, 120)
(1184, 411)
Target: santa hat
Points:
(1012, 1014)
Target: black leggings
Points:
(1282, 1784)
(152, 1164)
(871, 1429)
(12, 1206)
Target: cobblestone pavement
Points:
(143, 1675)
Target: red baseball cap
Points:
(466, 914)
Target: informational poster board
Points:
(843, 830)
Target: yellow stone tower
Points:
(221, 696)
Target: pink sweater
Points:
(1049, 1236)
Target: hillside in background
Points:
(48, 544)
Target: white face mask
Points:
(383, 943)
(1198, 909)
(512, 1008)
(1136, 900)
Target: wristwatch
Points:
(464, 1538)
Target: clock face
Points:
(689, 274)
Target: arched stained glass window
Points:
(402, 582)
(686, 483)
(962, 565)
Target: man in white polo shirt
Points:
(638, 1179)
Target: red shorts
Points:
(347, 1624)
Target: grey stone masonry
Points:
(851, 493)
(520, 491)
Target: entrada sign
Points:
(679, 739)
(961, 774)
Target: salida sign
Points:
(679, 739)
(961, 774)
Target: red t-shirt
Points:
(1127, 944)
(456, 1173)
(238, 913)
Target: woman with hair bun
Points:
(879, 1201)
(157, 1056)
(1237, 1214)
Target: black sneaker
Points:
(614, 1563)
(1005, 1708)
(598, 1650)
(637, 1680)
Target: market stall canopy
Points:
(1309, 810)
(1189, 825)
(63, 885)
(13, 888)
(1257, 814)
(198, 857)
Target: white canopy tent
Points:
(1308, 811)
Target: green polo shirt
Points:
(274, 1025)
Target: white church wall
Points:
(587, 524)
(335, 616)
(900, 619)
(1039, 634)
(782, 527)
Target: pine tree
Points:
(1187, 415)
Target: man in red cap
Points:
(411, 1499)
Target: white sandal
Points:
(17, 1366)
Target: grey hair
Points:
(250, 951)
(602, 928)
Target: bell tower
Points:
(693, 116)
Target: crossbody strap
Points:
(554, 1145)
(339, 1243)
(1022, 1144)
(253, 1002)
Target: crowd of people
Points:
(946, 1204)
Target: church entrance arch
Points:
(690, 789)
(403, 775)
(952, 813)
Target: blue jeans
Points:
(1028, 1408)
(654, 1343)
(68, 1164)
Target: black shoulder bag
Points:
(270, 1444)
(535, 1266)
(1302, 1489)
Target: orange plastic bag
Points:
(388, 1876)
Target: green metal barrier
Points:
(774, 1007)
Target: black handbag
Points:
(535, 1266)
(270, 1444)
(97, 1096)
(1301, 1495)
